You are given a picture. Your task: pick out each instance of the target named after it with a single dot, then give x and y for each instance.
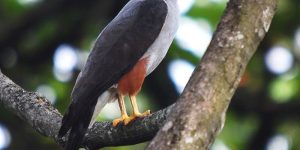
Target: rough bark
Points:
(199, 114)
(45, 119)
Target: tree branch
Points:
(199, 115)
(45, 119)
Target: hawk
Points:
(128, 49)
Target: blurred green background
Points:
(44, 44)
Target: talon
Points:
(135, 116)
(128, 120)
(146, 113)
(142, 115)
(119, 120)
(116, 122)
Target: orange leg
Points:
(136, 113)
(124, 115)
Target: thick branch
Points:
(44, 118)
(199, 115)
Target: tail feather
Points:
(74, 141)
(66, 123)
(77, 119)
(78, 131)
(78, 125)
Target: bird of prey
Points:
(128, 49)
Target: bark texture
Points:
(45, 119)
(199, 114)
(197, 118)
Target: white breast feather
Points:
(158, 50)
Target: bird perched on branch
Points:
(128, 49)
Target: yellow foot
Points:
(121, 119)
(135, 116)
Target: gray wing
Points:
(120, 45)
